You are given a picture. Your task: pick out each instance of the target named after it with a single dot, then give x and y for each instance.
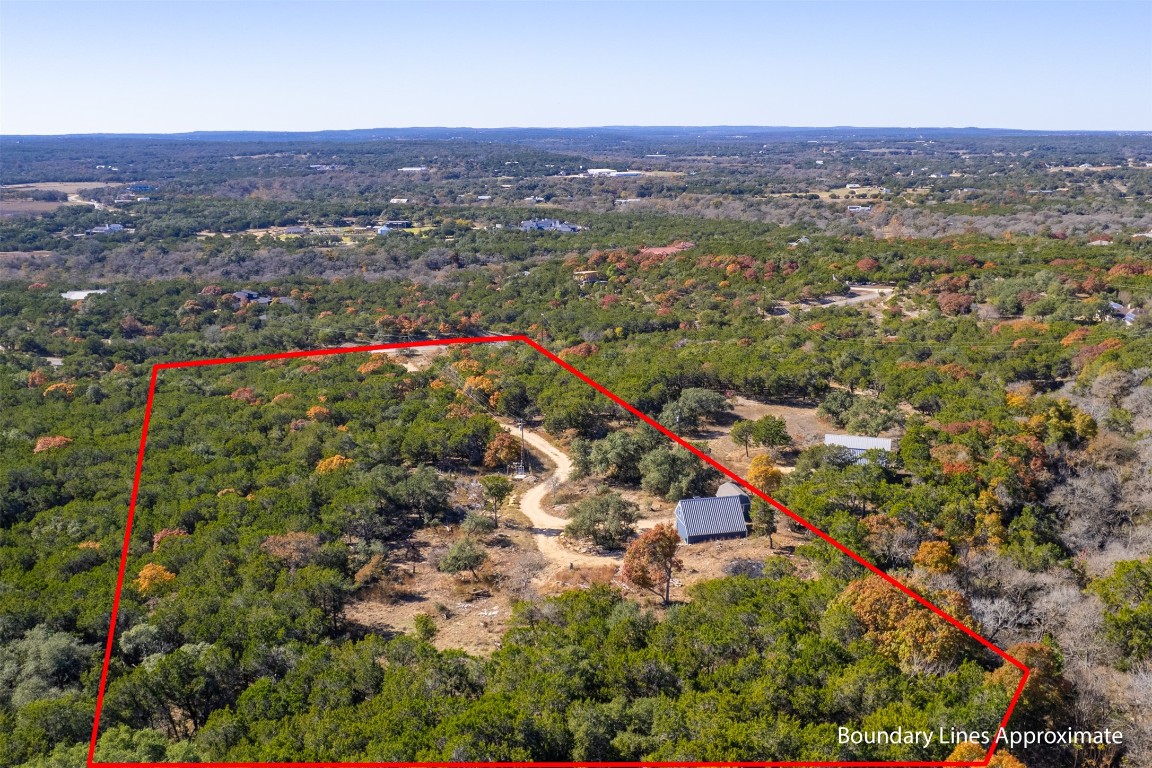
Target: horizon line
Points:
(614, 127)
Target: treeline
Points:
(204, 165)
(753, 668)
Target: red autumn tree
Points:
(951, 303)
(48, 443)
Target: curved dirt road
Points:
(545, 527)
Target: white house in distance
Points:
(612, 172)
(393, 226)
(548, 225)
(1126, 313)
(105, 229)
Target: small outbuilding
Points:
(712, 517)
(731, 489)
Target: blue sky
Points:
(166, 66)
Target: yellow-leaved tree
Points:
(153, 576)
(764, 474)
(970, 751)
(332, 464)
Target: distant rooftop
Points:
(79, 295)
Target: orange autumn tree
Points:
(319, 413)
(1046, 691)
(48, 443)
(152, 576)
(503, 449)
(936, 557)
(651, 560)
(902, 629)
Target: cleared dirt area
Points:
(548, 521)
(67, 187)
(469, 615)
(12, 208)
(858, 295)
(528, 559)
(14, 255)
(702, 562)
(805, 427)
(843, 194)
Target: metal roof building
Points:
(712, 517)
(858, 443)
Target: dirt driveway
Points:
(546, 527)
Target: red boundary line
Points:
(91, 761)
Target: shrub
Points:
(464, 555)
(477, 525)
(608, 519)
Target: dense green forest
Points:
(266, 491)
(1009, 356)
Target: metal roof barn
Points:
(704, 519)
(858, 443)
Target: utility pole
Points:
(520, 423)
